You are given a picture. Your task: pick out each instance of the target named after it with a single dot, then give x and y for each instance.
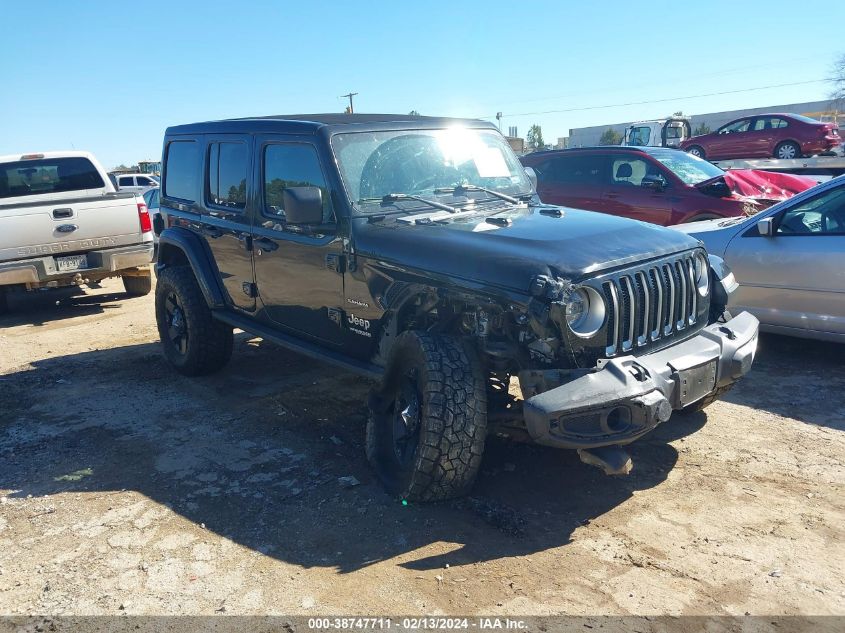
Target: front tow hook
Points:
(613, 460)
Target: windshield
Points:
(690, 169)
(416, 162)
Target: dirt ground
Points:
(127, 488)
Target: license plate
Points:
(697, 382)
(72, 262)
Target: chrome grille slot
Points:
(645, 305)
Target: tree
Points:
(678, 113)
(838, 81)
(535, 137)
(413, 113)
(610, 137)
(702, 128)
(121, 167)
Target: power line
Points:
(732, 71)
(631, 103)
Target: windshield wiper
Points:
(393, 197)
(492, 192)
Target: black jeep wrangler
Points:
(414, 250)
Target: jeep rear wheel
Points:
(194, 342)
(428, 421)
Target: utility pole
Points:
(349, 96)
(499, 120)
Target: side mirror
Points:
(532, 176)
(654, 183)
(766, 227)
(303, 205)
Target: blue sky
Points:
(111, 76)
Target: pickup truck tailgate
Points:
(68, 225)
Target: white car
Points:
(134, 182)
(789, 261)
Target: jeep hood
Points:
(577, 245)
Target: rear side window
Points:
(575, 170)
(292, 165)
(48, 175)
(181, 170)
(227, 170)
(126, 181)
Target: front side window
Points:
(228, 164)
(631, 171)
(821, 214)
(419, 162)
(143, 181)
(48, 175)
(292, 165)
(736, 126)
(690, 169)
(182, 170)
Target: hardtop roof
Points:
(310, 123)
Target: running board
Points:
(311, 350)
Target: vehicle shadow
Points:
(796, 378)
(256, 453)
(55, 304)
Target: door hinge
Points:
(336, 262)
(335, 315)
(250, 289)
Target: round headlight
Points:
(702, 274)
(585, 312)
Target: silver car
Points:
(789, 261)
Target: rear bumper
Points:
(39, 271)
(628, 396)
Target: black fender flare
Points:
(722, 281)
(177, 244)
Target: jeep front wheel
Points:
(428, 420)
(194, 342)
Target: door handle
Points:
(211, 231)
(62, 213)
(263, 244)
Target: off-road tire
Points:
(138, 286)
(794, 145)
(452, 418)
(209, 342)
(696, 150)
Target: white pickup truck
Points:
(62, 223)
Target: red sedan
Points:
(655, 184)
(765, 136)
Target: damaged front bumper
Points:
(627, 397)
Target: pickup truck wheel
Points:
(428, 421)
(194, 342)
(138, 286)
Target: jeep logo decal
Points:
(358, 322)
